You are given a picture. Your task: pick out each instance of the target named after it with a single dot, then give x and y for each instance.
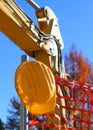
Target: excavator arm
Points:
(16, 25)
(41, 42)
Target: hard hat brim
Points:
(39, 109)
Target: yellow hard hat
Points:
(35, 86)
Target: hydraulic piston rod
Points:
(32, 3)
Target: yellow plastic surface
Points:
(15, 25)
(35, 86)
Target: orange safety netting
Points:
(75, 114)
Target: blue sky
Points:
(75, 19)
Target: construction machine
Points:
(43, 42)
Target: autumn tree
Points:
(13, 119)
(78, 66)
(80, 69)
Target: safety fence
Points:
(74, 108)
